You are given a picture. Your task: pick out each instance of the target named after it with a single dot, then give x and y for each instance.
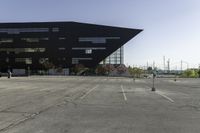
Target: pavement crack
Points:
(197, 108)
(18, 122)
(26, 117)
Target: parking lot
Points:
(71, 104)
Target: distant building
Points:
(36, 45)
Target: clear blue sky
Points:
(171, 27)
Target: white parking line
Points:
(125, 98)
(166, 97)
(89, 92)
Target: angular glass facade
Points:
(115, 58)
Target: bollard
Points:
(153, 87)
(9, 74)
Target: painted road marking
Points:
(125, 98)
(166, 97)
(87, 93)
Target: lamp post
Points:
(175, 75)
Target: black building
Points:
(61, 44)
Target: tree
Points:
(149, 69)
(190, 73)
(121, 69)
(47, 65)
(59, 69)
(139, 72)
(78, 68)
(130, 70)
(135, 71)
(199, 73)
(109, 67)
(101, 70)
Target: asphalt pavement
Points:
(75, 104)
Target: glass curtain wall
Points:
(115, 58)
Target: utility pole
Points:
(164, 63)
(175, 74)
(168, 65)
(181, 66)
(153, 65)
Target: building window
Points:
(35, 50)
(44, 39)
(84, 48)
(92, 39)
(30, 39)
(55, 29)
(115, 58)
(21, 50)
(75, 61)
(24, 60)
(97, 40)
(6, 40)
(43, 60)
(22, 30)
(88, 51)
(35, 39)
(62, 38)
(61, 48)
